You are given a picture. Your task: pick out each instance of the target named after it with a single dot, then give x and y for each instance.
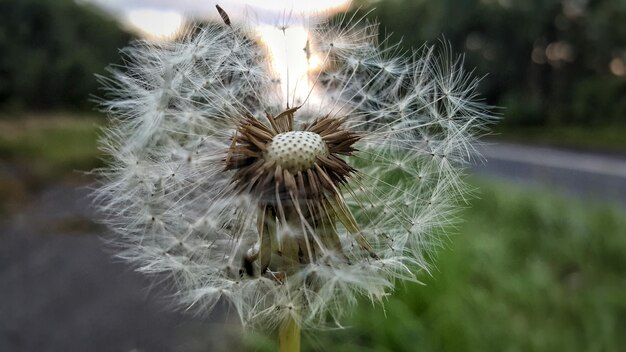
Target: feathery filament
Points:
(285, 212)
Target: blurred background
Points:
(538, 262)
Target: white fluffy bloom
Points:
(284, 209)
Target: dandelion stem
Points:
(289, 336)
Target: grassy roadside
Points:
(50, 146)
(36, 150)
(601, 138)
(529, 270)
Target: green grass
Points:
(528, 271)
(608, 137)
(50, 145)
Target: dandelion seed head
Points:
(296, 150)
(220, 182)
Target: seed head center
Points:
(296, 150)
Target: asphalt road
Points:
(60, 290)
(597, 177)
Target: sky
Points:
(162, 18)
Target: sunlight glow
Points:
(293, 57)
(288, 51)
(293, 60)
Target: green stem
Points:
(289, 336)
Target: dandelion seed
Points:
(287, 212)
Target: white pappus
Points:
(286, 208)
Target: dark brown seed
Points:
(223, 14)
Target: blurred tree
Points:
(546, 61)
(50, 52)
